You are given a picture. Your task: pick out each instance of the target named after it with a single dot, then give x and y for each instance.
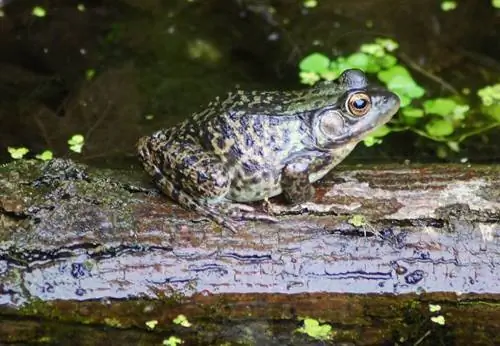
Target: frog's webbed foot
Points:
(219, 218)
(246, 212)
(227, 214)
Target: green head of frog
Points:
(346, 109)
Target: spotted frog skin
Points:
(259, 144)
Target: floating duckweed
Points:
(182, 320)
(151, 324)
(448, 5)
(315, 330)
(17, 153)
(489, 95)
(45, 156)
(310, 3)
(357, 220)
(76, 143)
(438, 320)
(172, 341)
(376, 136)
(434, 307)
(39, 11)
(439, 127)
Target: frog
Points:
(255, 145)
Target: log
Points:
(374, 248)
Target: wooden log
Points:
(375, 240)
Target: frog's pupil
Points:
(360, 103)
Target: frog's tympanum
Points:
(256, 145)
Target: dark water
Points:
(169, 58)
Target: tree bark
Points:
(375, 241)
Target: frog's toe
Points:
(257, 217)
(238, 211)
(240, 207)
(230, 225)
(222, 220)
(227, 215)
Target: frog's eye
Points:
(358, 104)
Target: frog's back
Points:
(249, 136)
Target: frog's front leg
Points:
(295, 181)
(295, 185)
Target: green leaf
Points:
(412, 112)
(39, 11)
(17, 153)
(315, 62)
(310, 3)
(309, 78)
(399, 80)
(315, 330)
(89, 74)
(446, 107)
(358, 60)
(492, 111)
(76, 139)
(395, 71)
(357, 220)
(388, 44)
(434, 307)
(453, 146)
(403, 99)
(439, 320)
(45, 156)
(329, 75)
(495, 3)
(406, 85)
(151, 324)
(182, 320)
(387, 61)
(440, 106)
(370, 141)
(448, 5)
(381, 131)
(372, 49)
(373, 65)
(490, 94)
(460, 111)
(76, 143)
(439, 128)
(339, 65)
(172, 341)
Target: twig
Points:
(427, 74)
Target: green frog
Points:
(255, 145)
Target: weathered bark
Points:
(70, 234)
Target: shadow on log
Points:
(368, 256)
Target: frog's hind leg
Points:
(196, 179)
(223, 214)
(190, 203)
